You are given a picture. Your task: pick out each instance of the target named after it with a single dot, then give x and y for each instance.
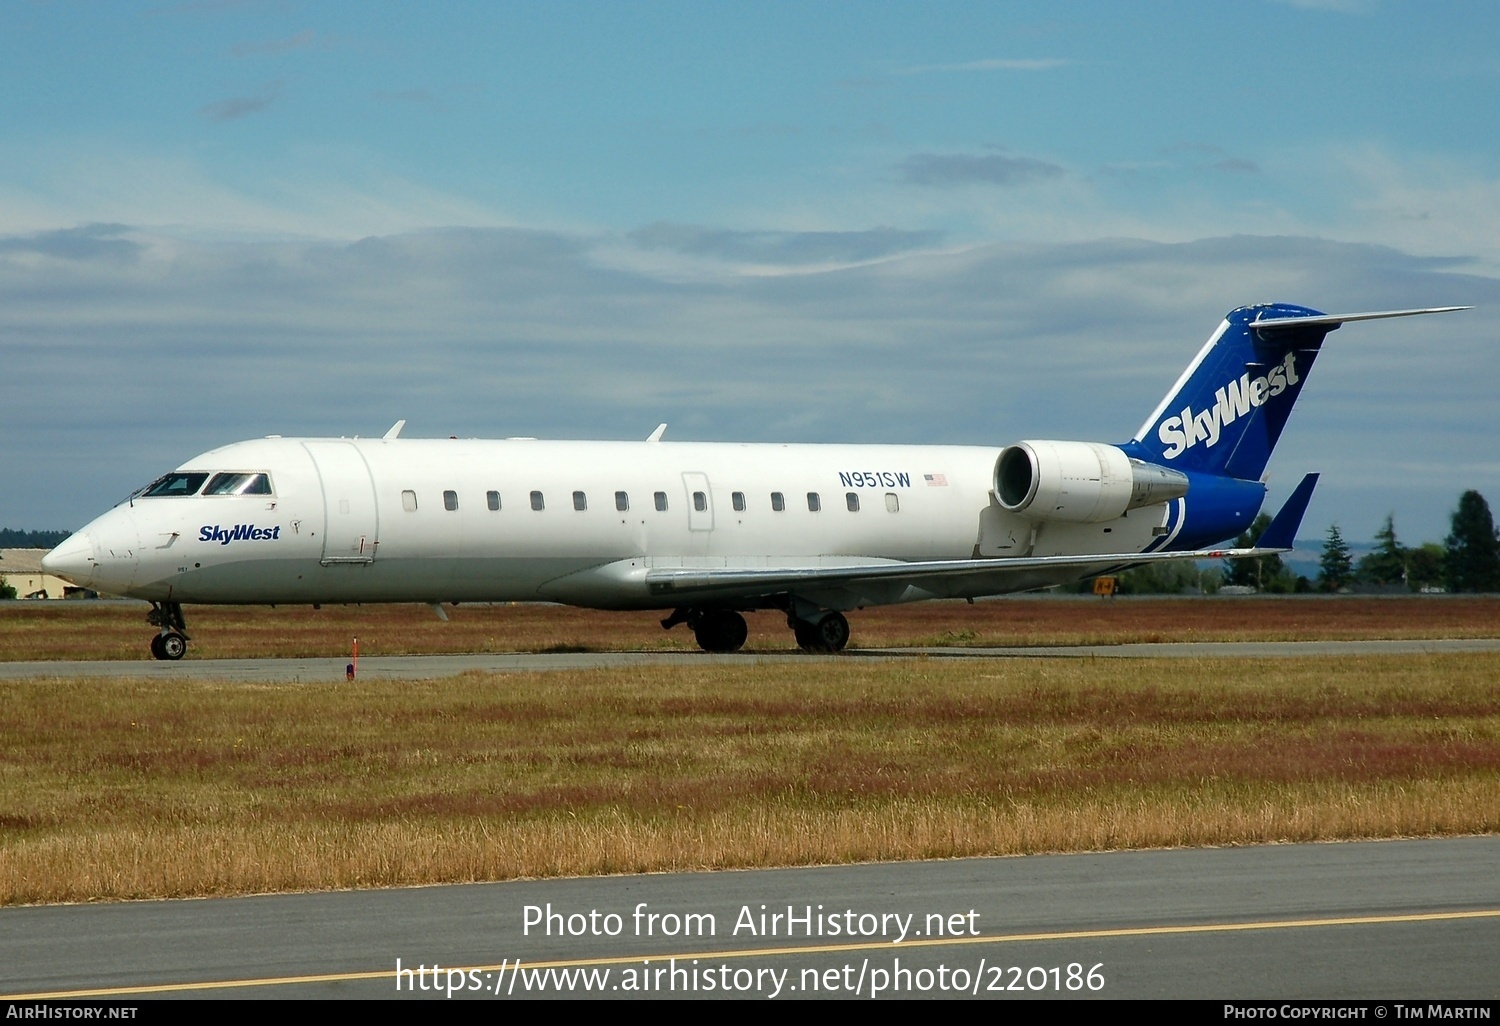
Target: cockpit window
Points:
(175, 484)
(239, 484)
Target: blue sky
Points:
(802, 222)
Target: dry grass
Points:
(134, 789)
(117, 630)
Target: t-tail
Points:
(1222, 419)
(1227, 411)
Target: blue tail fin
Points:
(1228, 409)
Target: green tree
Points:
(1166, 578)
(1263, 573)
(1424, 566)
(1472, 560)
(1387, 563)
(13, 539)
(1336, 568)
(6, 591)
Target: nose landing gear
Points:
(172, 641)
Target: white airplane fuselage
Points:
(369, 520)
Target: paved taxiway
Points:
(427, 667)
(1384, 919)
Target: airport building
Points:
(22, 570)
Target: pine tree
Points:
(1472, 561)
(1387, 564)
(1335, 568)
(1264, 573)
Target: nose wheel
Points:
(172, 641)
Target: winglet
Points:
(395, 431)
(655, 436)
(1283, 528)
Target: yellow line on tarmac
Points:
(781, 952)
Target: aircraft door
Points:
(351, 522)
(700, 499)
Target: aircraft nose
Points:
(74, 559)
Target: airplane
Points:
(710, 531)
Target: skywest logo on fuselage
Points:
(239, 532)
(1233, 401)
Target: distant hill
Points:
(10, 539)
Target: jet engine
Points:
(1079, 482)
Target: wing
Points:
(879, 582)
(882, 581)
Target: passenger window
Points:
(700, 501)
(239, 484)
(622, 501)
(492, 499)
(580, 501)
(536, 500)
(739, 502)
(892, 503)
(661, 502)
(450, 501)
(778, 502)
(409, 501)
(813, 502)
(173, 485)
(851, 499)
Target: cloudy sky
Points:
(930, 222)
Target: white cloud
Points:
(1431, 205)
(67, 184)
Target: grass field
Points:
(133, 789)
(116, 630)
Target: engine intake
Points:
(1079, 482)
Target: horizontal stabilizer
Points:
(1334, 320)
(1283, 527)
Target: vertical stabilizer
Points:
(1228, 409)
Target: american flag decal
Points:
(936, 480)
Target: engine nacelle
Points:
(1079, 482)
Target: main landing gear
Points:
(716, 630)
(172, 641)
(828, 634)
(724, 630)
